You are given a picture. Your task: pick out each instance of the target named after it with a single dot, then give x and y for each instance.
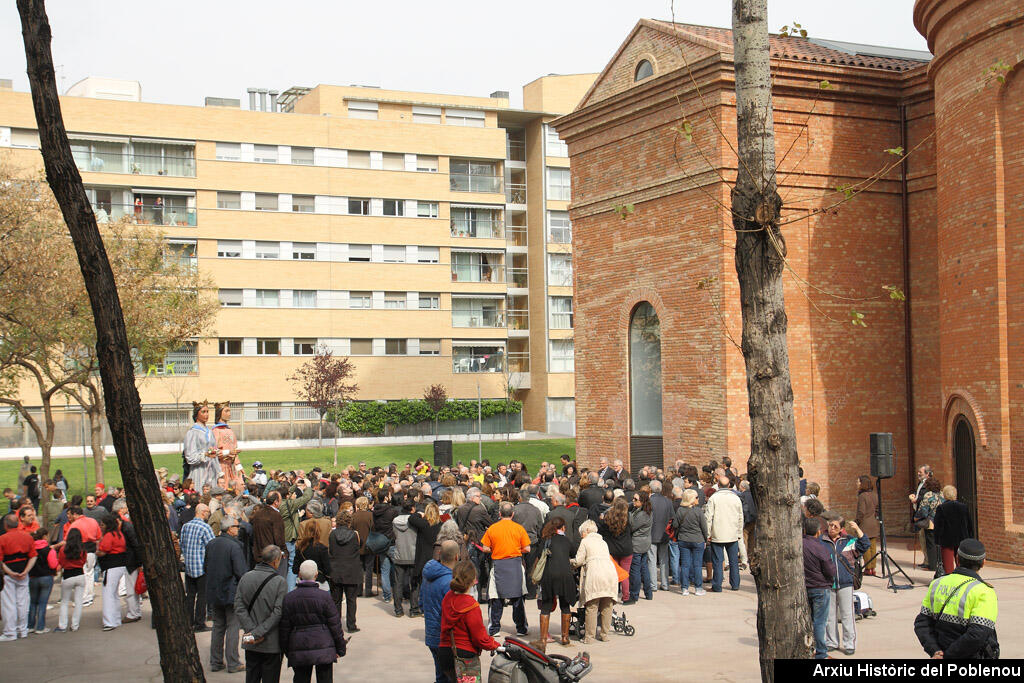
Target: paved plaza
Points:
(677, 639)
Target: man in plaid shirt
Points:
(195, 534)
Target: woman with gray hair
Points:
(599, 582)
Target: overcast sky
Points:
(182, 51)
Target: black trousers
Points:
(368, 566)
(263, 667)
(195, 599)
(324, 673)
(531, 559)
(348, 593)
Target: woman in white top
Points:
(599, 582)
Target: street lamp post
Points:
(479, 425)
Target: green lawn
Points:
(530, 452)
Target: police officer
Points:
(958, 616)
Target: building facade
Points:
(659, 374)
(424, 236)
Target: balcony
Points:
(477, 317)
(515, 235)
(518, 278)
(477, 228)
(464, 182)
(135, 164)
(145, 214)
(515, 150)
(518, 322)
(182, 361)
(482, 272)
(478, 359)
(559, 235)
(515, 193)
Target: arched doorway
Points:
(645, 441)
(964, 467)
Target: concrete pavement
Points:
(677, 638)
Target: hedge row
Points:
(370, 417)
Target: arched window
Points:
(645, 371)
(643, 70)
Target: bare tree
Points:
(179, 656)
(321, 382)
(783, 620)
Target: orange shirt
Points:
(29, 528)
(87, 526)
(505, 539)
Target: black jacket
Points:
(591, 496)
(343, 550)
(472, 518)
(310, 629)
(224, 565)
(426, 536)
(383, 519)
(661, 514)
(952, 524)
(317, 553)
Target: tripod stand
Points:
(883, 551)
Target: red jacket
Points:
(460, 614)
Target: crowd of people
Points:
(269, 555)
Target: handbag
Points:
(541, 563)
(140, 583)
(466, 670)
(856, 571)
(376, 543)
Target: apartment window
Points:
(478, 358)
(229, 151)
(560, 312)
(268, 250)
(426, 164)
(361, 347)
(475, 267)
(303, 347)
(558, 184)
(554, 145)
(302, 156)
(358, 207)
(395, 300)
(229, 200)
(229, 347)
(560, 270)
(430, 301)
(426, 114)
(477, 313)
(474, 176)
(304, 298)
(362, 110)
(149, 157)
(430, 347)
(181, 253)
(229, 248)
(303, 251)
(394, 253)
(426, 209)
(359, 252)
(229, 297)
(559, 228)
(428, 255)
(266, 202)
(25, 137)
(396, 347)
(562, 355)
(268, 347)
(464, 117)
(393, 162)
(360, 300)
(302, 203)
(357, 159)
(265, 154)
(268, 298)
(394, 207)
(469, 222)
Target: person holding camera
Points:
(258, 601)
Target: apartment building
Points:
(424, 236)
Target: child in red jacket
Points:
(463, 636)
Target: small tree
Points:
(435, 396)
(321, 382)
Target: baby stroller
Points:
(517, 662)
(577, 627)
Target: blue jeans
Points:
(690, 560)
(439, 675)
(819, 599)
(718, 553)
(290, 545)
(673, 561)
(637, 575)
(39, 588)
(385, 572)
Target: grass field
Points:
(530, 452)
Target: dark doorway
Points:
(645, 443)
(964, 466)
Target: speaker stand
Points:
(886, 562)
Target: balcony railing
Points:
(144, 214)
(560, 278)
(515, 235)
(515, 150)
(517, 277)
(515, 193)
(478, 318)
(136, 164)
(560, 235)
(472, 272)
(561, 321)
(477, 228)
(463, 182)
(518, 319)
(519, 361)
(176, 363)
(474, 361)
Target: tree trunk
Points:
(320, 432)
(179, 656)
(783, 621)
(96, 436)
